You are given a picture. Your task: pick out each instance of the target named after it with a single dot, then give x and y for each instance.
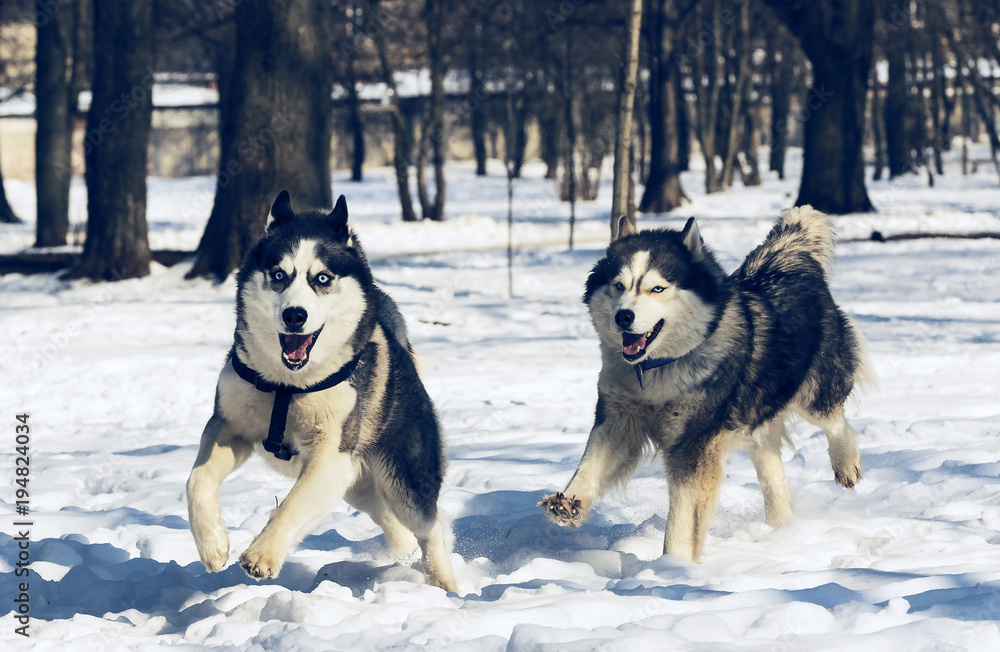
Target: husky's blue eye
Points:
(658, 289)
(278, 275)
(620, 286)
(324, 279)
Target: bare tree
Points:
(275, 126)
(121, 109)
(7, 215)
(15, 79)
(663, 191)
(898, 119)
(59, 71)
(780, 56)
(708, 76)
(837, 36)
(738, 94)
(400, 130)
(432, 135)
(621, 203)
(353, 28)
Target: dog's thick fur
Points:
(751, 349)
(373, 439)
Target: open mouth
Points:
(634, 344)
(295, 348)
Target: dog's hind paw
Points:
(564, 511)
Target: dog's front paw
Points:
(847, 476)
(261, 562)
(564, 511)
(213, 547)
(846, 468)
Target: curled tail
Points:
(801, 230)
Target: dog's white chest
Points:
(314, 419)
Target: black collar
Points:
(646, 365)
(274, 443)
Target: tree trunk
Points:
(54, 132)
(779, 60)
(966, 109)
(477, 117)
(750, 167)
(837, 36)
(303, 70)
(878, 129)
(433, 134)
(520, 137)
(708, 75)
(738, 91)
(683, 124)
(570, 133)
(985, 113)
(7, 215)
(121, 110)
(663, 192)
(620, 204)
(356, 125)
(897, 136)
(274, 127)
(549, 126)
(938, 101)
(400, 132)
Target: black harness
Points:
(275, 441)
(646, 365)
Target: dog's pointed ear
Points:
(625, 227)
(338, 219)
(692, 238)
(281, 210)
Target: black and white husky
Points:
(321, 382)
(697, 363)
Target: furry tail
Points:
(802, 230)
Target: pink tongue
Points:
(295, 346)
(632, 344)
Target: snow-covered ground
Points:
(119, 378)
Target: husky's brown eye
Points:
(658, 289)
(620, 286)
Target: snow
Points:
(119, 379)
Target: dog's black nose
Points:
(624, 318)
(294, 318)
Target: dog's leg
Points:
(437, 558)
(693, 497)
(219, 455)
(610, 458)
(321, 486)
(364, 495)
(844, 456)
(765, 452)
(421, 519)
